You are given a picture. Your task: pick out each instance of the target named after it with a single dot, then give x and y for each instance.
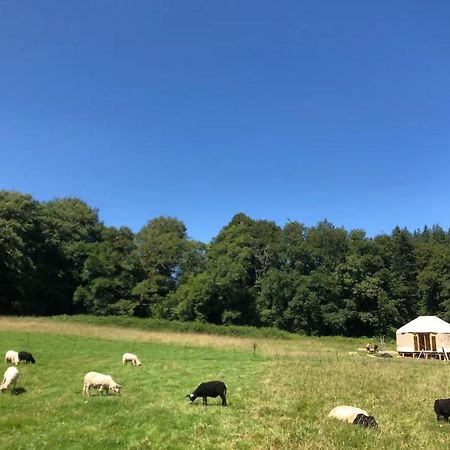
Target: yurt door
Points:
(416, 343)
(433, 342)
(424, 342)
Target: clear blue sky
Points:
(201, 109)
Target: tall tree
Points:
(327, 244)
(71, 227)
(167, 256)
(21, 251)
(404, 287)
(293, 252)
(110, 273)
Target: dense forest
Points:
(57, 257)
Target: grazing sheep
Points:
(12, 357)
(210, 389)
(27, 357)
(10, 377)
(372, 348)
(351, 414)
(442, 408)
(130, 357)
(100, 381)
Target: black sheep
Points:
(210, 389)
(442, 408)
(27, 357)
(365, 421)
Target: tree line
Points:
(57, 257)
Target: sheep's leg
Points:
(205, 401)
(224, 399)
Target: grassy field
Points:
(278, 398)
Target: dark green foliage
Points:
(72, 228)
(56, 257)
(167, 257)
(22, 248)
(109, 275)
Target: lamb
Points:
(442, 408)
(100, 381)
(12, 357)
(210, 389)
(10, 377)
(354, 415)
(130, 357)
(27, 357)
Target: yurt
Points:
(425, 336)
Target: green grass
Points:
(276, 401)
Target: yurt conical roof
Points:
(425, 324)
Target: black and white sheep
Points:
(100, 381)
(210, 389)
(10, 377)
(442, 408)
(351, 414)
(27, 357)
(12, 357)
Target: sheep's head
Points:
(192, 397)
(116, 388)
(138, 363)
(365, 421)
(371, 422)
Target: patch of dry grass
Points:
(269, 347)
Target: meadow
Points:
(279, 391)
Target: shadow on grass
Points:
(208, 405)
(20, 391)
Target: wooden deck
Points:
(442, 355)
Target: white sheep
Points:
(346, 413)
(10, 377)
(130, 357)
(354, 415)
(12, 357)
(100, 381)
